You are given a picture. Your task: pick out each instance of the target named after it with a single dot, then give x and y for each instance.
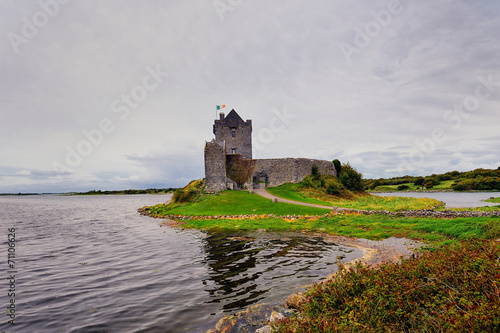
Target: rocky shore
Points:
(338, 210)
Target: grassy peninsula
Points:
(452, 285)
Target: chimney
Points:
(221, 115)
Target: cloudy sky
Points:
(118, 94)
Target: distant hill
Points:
(476, 180)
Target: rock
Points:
(265, 329)
(275, 200)
(293, 300)
(275, 316)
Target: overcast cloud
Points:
(119, 94)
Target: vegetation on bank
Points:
(476, 180)
(432, 231)
(131, 191)
(455, 289)
(493, 200)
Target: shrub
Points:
(315, 171)
(403, 187)
(350, 178)
(310, 182)
(333, 187)
(428, 184)
(375, 184)
(189, 193)
(419, 181)
(337, 165)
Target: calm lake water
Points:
(451, 199)
(93, 264)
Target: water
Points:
(93, 264)
(451, 199)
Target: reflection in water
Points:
(246, 268)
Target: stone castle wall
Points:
(215, 167)
(278, 171)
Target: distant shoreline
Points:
(119, 192)
(434, 191)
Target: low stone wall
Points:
(290, 170)
(445, 214)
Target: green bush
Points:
(337, 165)
(428, 184)
(350, 178)
(403, 187)
(189, 193)
(375, 183)
(419, 181)
(333, 187)
(315, 171)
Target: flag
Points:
(220, 107)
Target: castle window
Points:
(233, 133)
(234, 151)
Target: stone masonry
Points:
(229, 163)
(215, 167)
(289, 170)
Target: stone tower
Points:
(235, 133)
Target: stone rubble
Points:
(447, 214)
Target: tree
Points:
(350, 178)
(315, 171)
(338, 166)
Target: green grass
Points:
(444, 185)
(394, 188)
(497, 199)
(236, 203)
(359, 201)
(431, 230)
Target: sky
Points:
(119, 94)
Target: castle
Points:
(229, 163)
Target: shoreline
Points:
(375, 253)
(435, 191)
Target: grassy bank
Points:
(430, 230)
(355, 200)
(445, 185)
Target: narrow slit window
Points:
(234, 151)
(233, 134)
